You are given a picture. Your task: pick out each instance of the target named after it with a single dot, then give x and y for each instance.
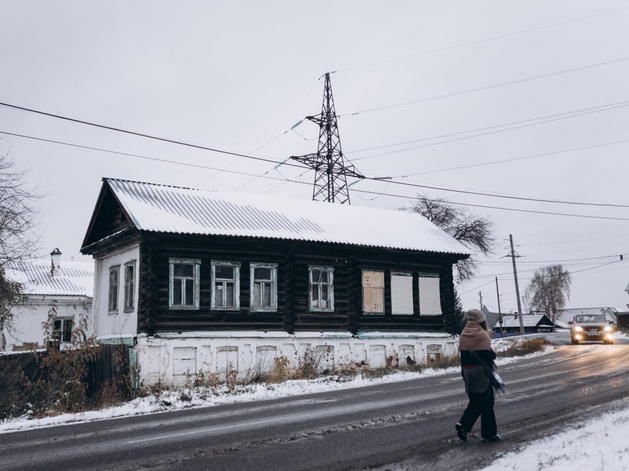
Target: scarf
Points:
(474, 337)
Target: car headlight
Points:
(608, 328)
(578, 328)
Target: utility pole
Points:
(517, 288)
(480, 296)
(499, 312)
(331, 172)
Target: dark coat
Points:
(475, 375)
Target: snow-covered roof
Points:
(528, 320)
(70, 279)
(566, 315)
(161, 208)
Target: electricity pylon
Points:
(331, 172)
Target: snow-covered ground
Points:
(606, 449)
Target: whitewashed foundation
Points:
(173, 358)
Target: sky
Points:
(525, 99)
(563, 451)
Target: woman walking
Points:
(477, 358)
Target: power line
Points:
(489, 133)
(594, 109)
(479, 41)
(154, 159)
(487, 87)
(515, 159)
(493, 195)
(550, 213)
(138, 134)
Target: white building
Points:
(60, 290)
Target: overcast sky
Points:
(475, 84)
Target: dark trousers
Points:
(481, 405)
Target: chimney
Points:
(55, 258)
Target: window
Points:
(402, 294)
(225, 285)
(62, 330)
(129, 286)
(114, 273)
(373, 292)
(184, 284)
(263, 287)
(429, 294)
(321, 289)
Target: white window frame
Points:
(312, 286)
(196, 264)
(362, 284)
(236, 267)
(116, 292)
(57, 334)
(393, 293)
(129, 287)
(273, 281)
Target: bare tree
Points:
(18, 240)
(472, 231)
(549, 290)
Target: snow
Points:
(606, 450)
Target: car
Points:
(591, 327)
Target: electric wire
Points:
(486, 87)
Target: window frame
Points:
(115, 292)
(129, 291)
(329, 283)
(273, 268)
(62, 330)
(362, 285)
(236, 266)
(196, 277)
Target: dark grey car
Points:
(591, 327)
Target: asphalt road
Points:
(408, 425)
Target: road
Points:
(407, 425)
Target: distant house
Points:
(198, 280)
(533, 324)
(63, 290)
(493, 319)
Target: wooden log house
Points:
(199, 280)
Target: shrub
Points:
(525, 347)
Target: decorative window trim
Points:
(406, 274)
(129, 304)
(273, 268)
(362, 279)
(116, 292)
(330, 283)
(236, 266)
(195, 276)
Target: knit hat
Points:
(474, 315)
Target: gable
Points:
(108, 218)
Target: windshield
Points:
(599, 319)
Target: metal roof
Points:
(177, 210)
(71, 279)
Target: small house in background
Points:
(197, 280)
(493, 319)
(533, 324)
(62, 291)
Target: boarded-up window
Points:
(227, 360)
(402, 293)
(373, 292)
(184, 360)
(429, 295)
